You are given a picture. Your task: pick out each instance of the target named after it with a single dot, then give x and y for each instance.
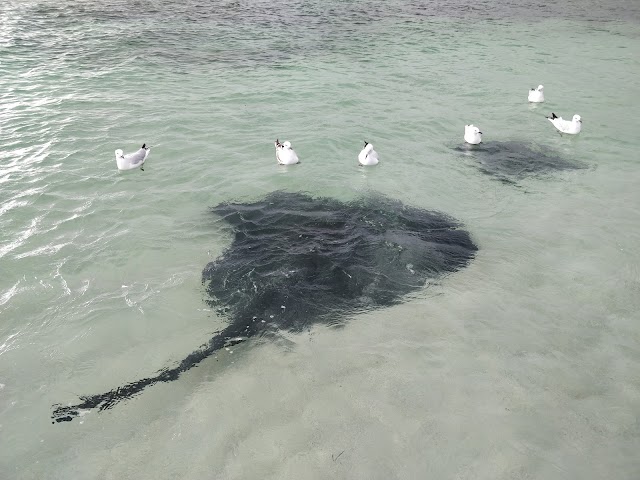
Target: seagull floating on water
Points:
(536, 95)
(572, 127)
(472, 134)
(132, 160)
(368, 156)
(285, 154)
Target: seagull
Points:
(285, 154)
(536, 95)
(368, 156)
(572, 127)
(472, 134)
(132, 160)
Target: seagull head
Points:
(540, 88)
(119, 153)
(287, 145)
(576, 118)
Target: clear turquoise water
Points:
(524, 365)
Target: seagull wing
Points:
(564, 125)
(136, 158)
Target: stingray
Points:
(511, 161)
(298, 260)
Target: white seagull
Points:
(132, 160)
(472, 134)
(285, 154)
(536, 95)
(368, 156)
(572, 127)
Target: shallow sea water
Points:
(525, 364)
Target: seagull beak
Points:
(480, 133)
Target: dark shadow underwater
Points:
(297, 260)
(511, 161)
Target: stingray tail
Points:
(105, 401)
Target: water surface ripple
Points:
(522, 365)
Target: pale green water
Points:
(524, 365)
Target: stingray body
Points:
(512, 161)
(297, 260)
